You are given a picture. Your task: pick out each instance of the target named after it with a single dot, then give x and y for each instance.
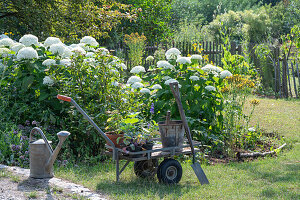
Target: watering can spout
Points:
(62, 136)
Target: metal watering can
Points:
(42, 155)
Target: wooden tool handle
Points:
(175, 90)
(168, 117)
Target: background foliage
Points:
(69, 20)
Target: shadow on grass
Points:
(137, 188)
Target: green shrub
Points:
(252, 25)
(29, 88)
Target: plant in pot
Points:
(112, 128)
(150, 131)
(136, 137)
(132, 138)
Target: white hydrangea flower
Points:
(29, 39)
(65, 62)
(52, 40)
(40, 45)
(210, 88)
(137, 69)
(164, 64)
(115, 83)
(89, 54)
(184, 60)
(67, 53)
(57, 48)
(7, 42)
(156, 87)
(78, 50)
(49, 62)
(196, 57)
(194, 78)
(167, 82)
(89, 40)
(102, 51)
(134, 79)
(123, 66)
(4, 52)
(73, 46)
(17, 46)
(86, 47)
(172, 53)
(211, 68)
(91, 61)
(137, 85)
(149, 58)
(166, 78)
(2, 36)
(251, 129)
(145, 91)
(225, 74)
(27, 53)
(114, 71)
(48, 81)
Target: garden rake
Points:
(196, 166)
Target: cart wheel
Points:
(169, 171)
(145, 168)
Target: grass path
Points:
(268, 178)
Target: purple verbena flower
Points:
(34, 122)
(152, 108)
(15, 132)
(15, 147)
(23, 137)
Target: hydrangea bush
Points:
(199, 86)
(34, 73)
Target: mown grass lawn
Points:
(265, 178)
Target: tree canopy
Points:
(69, 20)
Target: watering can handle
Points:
(36, 129)
(64, 98)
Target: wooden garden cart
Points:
(145, 162)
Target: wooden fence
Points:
(213, 50)
(286, 78)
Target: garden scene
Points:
(153, 99)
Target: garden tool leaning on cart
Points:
(196, 166)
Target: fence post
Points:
(239, 49)
(233, 48)
(289, 79)
(294, 79)
(284, 77)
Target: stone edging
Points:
(74, 188)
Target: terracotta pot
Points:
(114, 138)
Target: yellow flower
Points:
(254, 102)
(224, 89)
